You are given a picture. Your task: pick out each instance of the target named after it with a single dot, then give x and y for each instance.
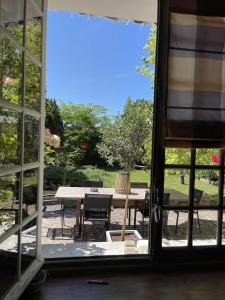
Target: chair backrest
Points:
(166, 198)
(139, 185)
(30, 194)
(197, 195)
(92, 183)
(100, 201)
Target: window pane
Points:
(9, 202)
(204, 227)
(207, 156)
(177, 156)
(8, 263)
(31, 139)
(32, 85)
(28, 244)
(30, 181)
(11, 72)
(174, 228)
(13, 18)
(33, 29)
(176, 184)
(223, 229)
(10, 144)
(206, 187)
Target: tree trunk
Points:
(125, 209)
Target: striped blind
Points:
(195, 104)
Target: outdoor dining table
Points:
(77, 194)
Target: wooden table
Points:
(176, 197)
(77, 194)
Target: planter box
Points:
(110, 233)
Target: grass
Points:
(108, 176)
(171, 181)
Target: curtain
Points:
(195, 102)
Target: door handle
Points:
(156, 213)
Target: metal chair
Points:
(53, 205)
(93, 183)
(96, 208)
(136, 185)
(197, 198)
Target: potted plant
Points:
(123, 143)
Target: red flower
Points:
(215, 158)
(84, 147)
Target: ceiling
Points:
(143, 11)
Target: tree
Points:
(123, 139)
(82, 125)
(53, 118)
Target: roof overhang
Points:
(143, 11)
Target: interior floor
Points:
(133, 285)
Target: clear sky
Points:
(94, 60)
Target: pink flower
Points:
(215, 158)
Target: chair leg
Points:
(129, 215)
(62, 219)
(176, 223)
(135, 217)
(199, 227)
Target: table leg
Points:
(78, 207)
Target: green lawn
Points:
(171, 181)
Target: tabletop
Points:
(78, 193)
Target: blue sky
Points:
(93, 60)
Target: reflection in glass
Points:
(30, 180)
(8, 263)
(204, 231)
(176, 183)
(10, 146)
(31, 143)
(206, 187)
(13, 18)
(9, 202)
(174, 228)
(28, 244)
(11, 72)
(177, 156)
(33, 28)
(32, 85)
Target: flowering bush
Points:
(215, 158)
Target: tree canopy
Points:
(123, 139)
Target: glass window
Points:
(28, 244)
(176, 184)
(174, 228)
(31, 143)
(177, 156)
(11, 72)
(30, 180)
(32, 85)
(10, 137)
(9, 202)
(205, 227)
(8, 263)
(33, 29)
(207, 156)
(206, 187)
(13, 18)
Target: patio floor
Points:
(94, 242)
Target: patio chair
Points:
(136, 185)
(197, 198)
(92, 183)
(53, 205)
(96, 208)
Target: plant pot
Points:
(111, 233)
(122, 184)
